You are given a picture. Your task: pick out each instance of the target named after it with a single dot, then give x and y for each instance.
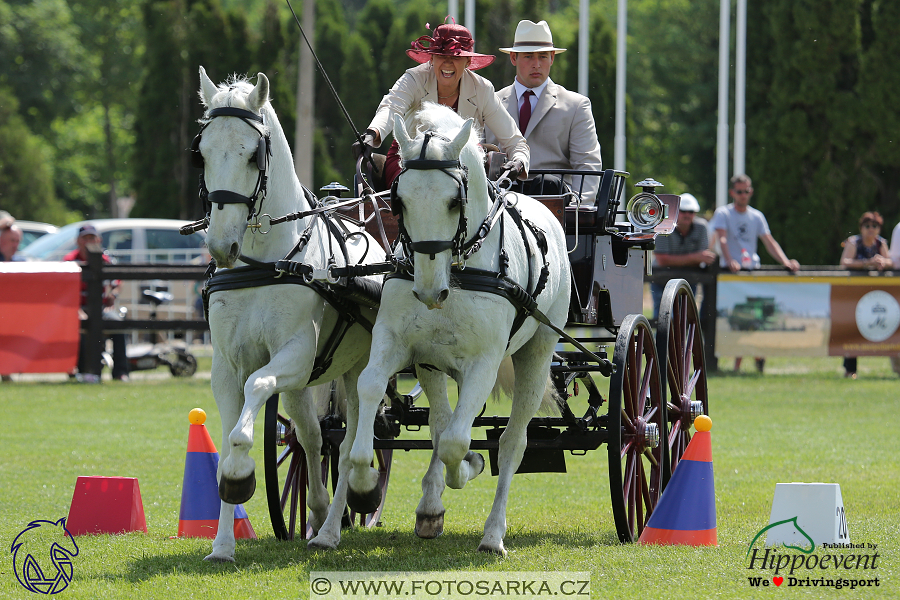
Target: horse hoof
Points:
(498, 550)
(476, 462)
(317, 544)
(237, 491)
(365, 503)
(429, 527)
(219, 559)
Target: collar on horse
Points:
(263, 151)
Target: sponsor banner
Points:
(39, 317)
(807, 316)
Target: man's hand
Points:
(515, 167)
(365, 144)
(792, 265)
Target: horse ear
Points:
(260, 94)
(400, 134)
(207, 88)
(461, 139)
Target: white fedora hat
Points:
(533, 37)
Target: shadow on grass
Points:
(360, 550)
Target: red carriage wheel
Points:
(679, 341)
(636, 419)
(287, 477)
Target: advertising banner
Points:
(39, 317)
(807, 316)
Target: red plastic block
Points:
(106, 505)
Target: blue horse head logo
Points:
(42, 556)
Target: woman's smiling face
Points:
(449, 69)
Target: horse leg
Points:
(430, 511)
(386, 358)
(227, 393)
(329, 535)
(302, 407)
(288, 369)
(532, 366)
(475, 386)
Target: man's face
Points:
(685, 219)
(84, 240)
(532, 68)
(740, 193)
(9, 241)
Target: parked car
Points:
(137, 241)
(127, 240)
(32, 230)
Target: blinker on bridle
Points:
(263, 151)
(433, 247)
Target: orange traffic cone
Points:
(199, 515)
(686, 512)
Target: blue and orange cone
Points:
(686, 513)
(199, 515)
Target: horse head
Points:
(431, 195)
(233, 153)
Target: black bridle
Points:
(263, 151)
(451, 168)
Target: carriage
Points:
(657, 381)
(267, 341)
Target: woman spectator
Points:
(866, 251)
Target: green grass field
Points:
(800, 422)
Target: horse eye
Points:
(454, 203)
(252, 160)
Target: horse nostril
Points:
(234, 249)
(443, 295)
(416, 296)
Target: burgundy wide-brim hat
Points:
(449, 40)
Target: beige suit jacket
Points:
(561, 133)
(477, 100)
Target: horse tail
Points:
(506, 381)
(330, 398)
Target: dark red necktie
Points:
(525, 111)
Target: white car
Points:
(127, 240)
(32, 230)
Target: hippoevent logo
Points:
(42, 556)
(802, 566)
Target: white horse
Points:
(266, 339)
(470, 335)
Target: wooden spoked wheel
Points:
(679, 341)
(636, 420)
(287, 477)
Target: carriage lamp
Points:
(334, 189)
(645, 210)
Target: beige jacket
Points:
(561, 133)
(477, 100)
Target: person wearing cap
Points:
(88, 235)
(686, 246)
(557, 123)
(10, 238)
(445, 76)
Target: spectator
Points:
(687, 246)
(10, 238)
(865, 251)
(445, 76)
(557, 123)
(737, 228)
(87, 234)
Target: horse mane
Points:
(444, 120)
(233, 92)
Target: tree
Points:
(26, 173)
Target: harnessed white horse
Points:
(266, 338)
(443, 187)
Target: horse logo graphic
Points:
(812, 544)
(30, 548)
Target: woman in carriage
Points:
(445, 76)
